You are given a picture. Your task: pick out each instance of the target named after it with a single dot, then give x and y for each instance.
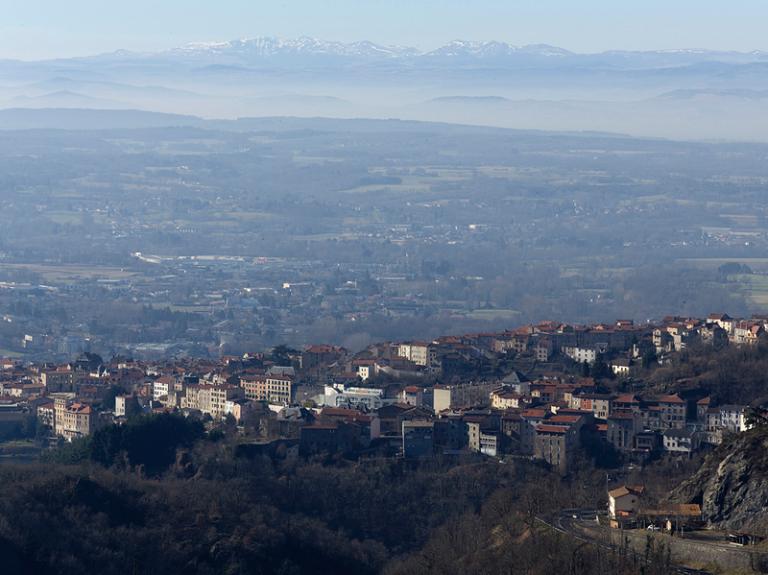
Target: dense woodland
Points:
(118, 503)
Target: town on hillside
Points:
(540, 391)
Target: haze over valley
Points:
(679, 94)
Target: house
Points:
(681, 441)
(624, 501)
(722, 320)
(747, 332)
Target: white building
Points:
(624, 500)
(355, 397)
(160, 388)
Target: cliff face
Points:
(732, 485)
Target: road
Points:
(566, 522)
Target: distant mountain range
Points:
(263, 49)
(669, 93)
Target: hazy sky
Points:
(48, 28)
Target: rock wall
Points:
(732, 485)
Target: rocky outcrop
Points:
(732, 485)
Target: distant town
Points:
(534, 391)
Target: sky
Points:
(40, 29)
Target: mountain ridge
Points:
(266, 47)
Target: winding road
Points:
(567, 521)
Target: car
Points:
(653, 528)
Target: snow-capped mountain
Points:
(265, 47)
(463, 48)
(273, 51)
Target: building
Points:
(73, 419)
(417, 352)
(279, 390)
(326, 438)
(418, 439)
(733, 418)
(211, 399)
(58, 380)
(450, 433)
(681, 441)
(463, 395)
(126, 405)
(672, 411)
(622, 429)
(366, 398)
(599, 404)
(555, 444)
(46, 415)
(621, 367)
(624, 501)
(393, 415)
(501, 399)
(584, 354)
(490, 442)
(366, 426)
(412, 395)
(161, 388)
(274, 389)
(241, 409)
(321, 355)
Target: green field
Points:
(755, 287)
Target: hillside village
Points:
(544, 391)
